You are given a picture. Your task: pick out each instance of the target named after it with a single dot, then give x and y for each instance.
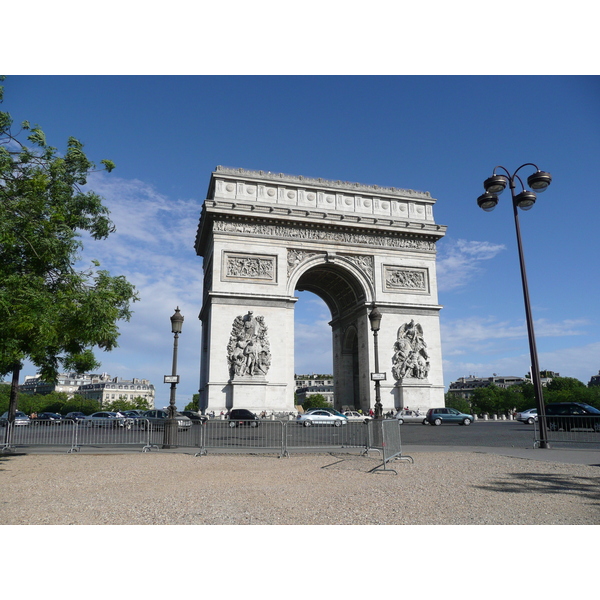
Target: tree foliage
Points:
(316, 401)
(194, 404)
(52, 313)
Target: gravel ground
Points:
(451, 488)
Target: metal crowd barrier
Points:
(569, 429)
(388, 439)
(75, 434)
(353, 434)
(281, 437)
(222, 435)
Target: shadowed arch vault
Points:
(263, 236)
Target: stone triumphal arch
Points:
(264, 235)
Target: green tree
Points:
(564, 384)
(138, 403)
(194, 404)
(51, 313)
(316, 401)
(461, 404)
(80, 404)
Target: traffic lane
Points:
(479, 433)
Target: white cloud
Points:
(459, 261)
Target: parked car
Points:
(411, 416)
(20, 419)
(321, 417)
(194, 416)
(529, 416)
(437, 416)
(353, 415)
(47, 418)
(158, 418)
(239, 417)
(107, 419)
(572, 415)
(75, 416)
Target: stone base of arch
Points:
(416, 395)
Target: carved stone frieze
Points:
(323, 235)
(295, 257)
(364, 264)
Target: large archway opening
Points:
(331, 301)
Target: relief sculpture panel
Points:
(248, 351)
(397, 279)
(411, 358)
(248, 266)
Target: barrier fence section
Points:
(386, 437)
(570, 428)
(325, 437)
(74, 434)
(120, 433)
(281, 437)
(266, 436)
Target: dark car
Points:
(572, 415)
(158, 418)
(437, 416)
(47, 418)
(134, 415)
(239, 417)
(194, 416)
(75, 416)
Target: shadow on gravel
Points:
(540, 483)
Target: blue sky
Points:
(442, 134)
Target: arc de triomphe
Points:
(264, 235)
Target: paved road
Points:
(493, 434)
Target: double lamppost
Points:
(171, 426)
(494, 186)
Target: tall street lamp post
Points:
(375, 318)
(494, 186)
(170, 436)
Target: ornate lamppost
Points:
(375, 318)
(170, 436)
(494, 186)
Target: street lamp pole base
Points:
(170, 437)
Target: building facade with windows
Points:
(68, 383)
(99, 387)
(107, 390)
(310, 385)
(595, 380)
(465, 386)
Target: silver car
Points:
(353, 415)
(528, 416)
(106, 418)
(20, 419)
(321, 417)
(411, 416)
